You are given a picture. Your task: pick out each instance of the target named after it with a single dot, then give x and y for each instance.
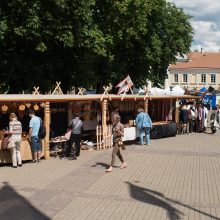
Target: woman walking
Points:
(15, 130)
(117, 133)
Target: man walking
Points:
(34, 127)
(75, 137)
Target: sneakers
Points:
(36, 161)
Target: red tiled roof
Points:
(210, 60)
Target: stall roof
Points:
(68, 97)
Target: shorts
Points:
(35, 144)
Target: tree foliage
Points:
(84, 43)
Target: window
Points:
(193, 78)
(213, 78)
(176, 78)
(185, 78)
(203, 78)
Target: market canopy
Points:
(203, 89)
(177, 90)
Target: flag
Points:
(124, 85)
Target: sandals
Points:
(108, 171)
(124, 165)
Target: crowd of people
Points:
(195, 117)
(72, 148)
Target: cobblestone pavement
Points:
(174, 178)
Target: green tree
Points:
(143, 37)
(85, 43)
(43, 41)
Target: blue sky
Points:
(205, 22)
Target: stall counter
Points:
(160, 130)
(26, 154)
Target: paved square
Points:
(174, 178)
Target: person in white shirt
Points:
(206, 112)
(15, 129)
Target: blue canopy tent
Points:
(209, 98)
(203, 90)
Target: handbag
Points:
(67, 135)
(121, 144)
(5, 143)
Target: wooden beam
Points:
(177, 111)
(146, 105)
(104, 117)
(104, 112)
(47, 125)
(36, 91)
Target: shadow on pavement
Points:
(105, 165)
(14, 206)
(158, 199)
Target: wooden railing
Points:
(102, 141)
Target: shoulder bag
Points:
(5, 143)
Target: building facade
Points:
(195, 71)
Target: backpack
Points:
(42, 130)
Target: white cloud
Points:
(205, 22)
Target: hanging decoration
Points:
(28, 105)
(21, 107)
(42, 105)
(36, 107)
(4, 108)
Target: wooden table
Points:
(58, 144)
(26, 153)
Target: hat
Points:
(31, 111)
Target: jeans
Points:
(35, 144)
(146, 132)
(15, 152)
(74, 138)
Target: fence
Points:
(99, 134)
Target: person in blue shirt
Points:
(34, 127)
(144, 124)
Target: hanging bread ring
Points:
(4, 108)
(28, 105)
(36, 107)
(42, 104)
(22, 107)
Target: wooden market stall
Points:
(162, 108)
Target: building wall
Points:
(194, 78)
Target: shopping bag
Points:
(5, 143)
(67, 135)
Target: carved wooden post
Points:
(146, 105)
(47, 125)
(177, 111)
(104, 117)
